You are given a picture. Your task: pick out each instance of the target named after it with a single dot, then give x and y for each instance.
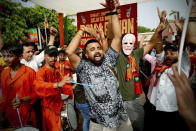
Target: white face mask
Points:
(128, 42)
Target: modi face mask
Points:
(128, 43)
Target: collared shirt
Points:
(52, 103)
(163, 95)
(46, 77)
(106, 105)
(22, 85)
(35, 62)
(61, 67)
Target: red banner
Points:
(127, 16)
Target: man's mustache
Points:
(97, 54)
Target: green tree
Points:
(16, 20)
(72, 29)
(173, 12)
(142, 29)
(13, 26)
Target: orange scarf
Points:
(62, 68)
(132, 73)
(157, 71)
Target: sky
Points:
(147, 12)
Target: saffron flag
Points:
(46, 23)
(32, 35)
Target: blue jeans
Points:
(84, 109)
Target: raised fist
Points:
(53, 31)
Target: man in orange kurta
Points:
(17, 79)
(63, 66)
(48, 86)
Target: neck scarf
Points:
(132, 73)
(157, 71)
(62, 68)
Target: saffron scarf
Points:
(133, 73)
(157, 71)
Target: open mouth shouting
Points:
(97, 56)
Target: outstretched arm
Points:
(99, 35)
(157, 38)
(53, 32)
(116, 41)
(103, 39)
(71, 49)
(109, 32)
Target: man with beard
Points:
(107, 110)
(49, 85)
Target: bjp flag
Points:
(32, 35)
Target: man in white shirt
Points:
(161, 91)
(28, 57)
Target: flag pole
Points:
(45, 29)
(184, 35)
(46, 36)
(40, 43)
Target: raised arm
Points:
(71, 49)
(103, 39)
(99, 35)
(53, 32)
(116, 41)
(109, 32)
(157, 38)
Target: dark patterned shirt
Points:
(105, 100)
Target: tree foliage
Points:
(72, 29)
(142, 29)
(12, 24)
(173, 12)
(16, 20)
